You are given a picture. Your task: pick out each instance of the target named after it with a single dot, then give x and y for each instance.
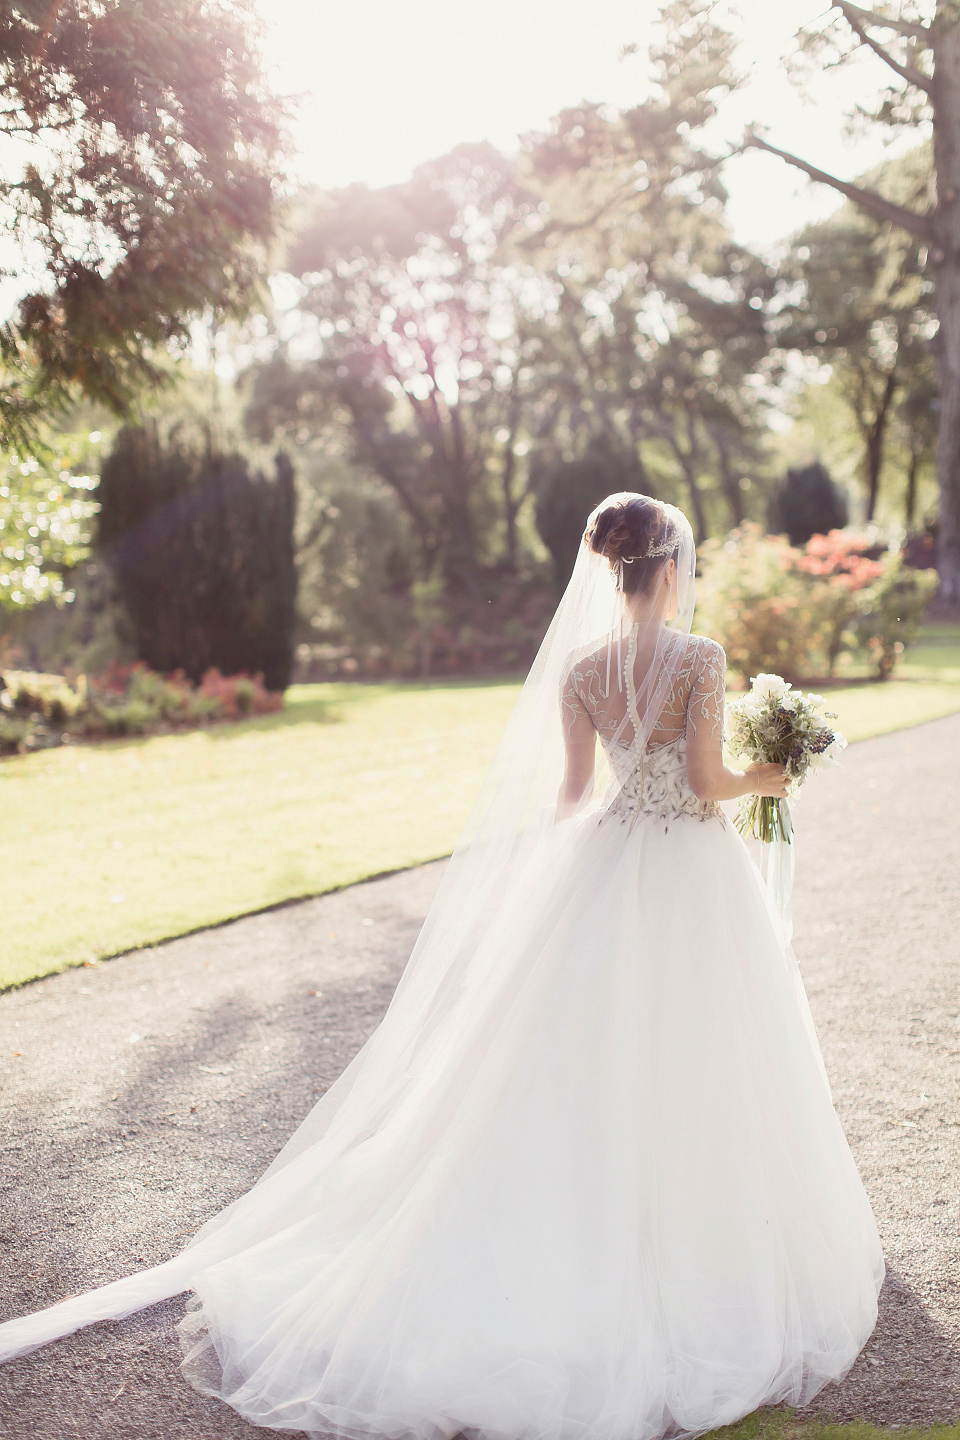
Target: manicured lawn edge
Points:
(784, 1424)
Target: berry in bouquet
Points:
(774, 723)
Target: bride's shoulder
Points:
(582, 669)
(585, 658)
(704, 646)
(704, 653)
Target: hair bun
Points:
(637, 537)
(628, 529)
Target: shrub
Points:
(14, 730)
(893, 607)
(202, 549)
(846, 563)
(48, 696)
(130, 717)
(567, 492)
(235, 696)
(806, 502)
(753, 600)
(777, 608)
(356, 568)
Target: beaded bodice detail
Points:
(655, 783)
(659, 786)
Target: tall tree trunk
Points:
(511, 502)
(875, 435)
(459, 537)
(910, 499)
(940, 230)
(689, 460)
(689, 463)
(946, 264)
(510, 508)
(729, 481)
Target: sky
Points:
(385, 84)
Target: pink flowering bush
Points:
(754, 599)
(845, 564)
(776, 607)
(842, 555)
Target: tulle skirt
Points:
(591, 1186)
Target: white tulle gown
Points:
(590, 1184)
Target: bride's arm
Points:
(580, 745)
(709, 778)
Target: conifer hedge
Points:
(203, 551)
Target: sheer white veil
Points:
(516, 809)
(384, 1095)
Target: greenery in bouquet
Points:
(776, 724)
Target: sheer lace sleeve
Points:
(573, 712)
(705, 702)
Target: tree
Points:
(202, 550)
(919, 41)
(806, 503)
(916, 430)
(141, 169)
(661, 335)
(865, 309)
(354, 564)
(490, 322)
(46, 520)
(418, 352)
(568, 492)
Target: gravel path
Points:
(140, 1096)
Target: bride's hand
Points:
(768, 780)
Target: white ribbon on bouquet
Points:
(779, 855)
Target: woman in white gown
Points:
(586, 1179)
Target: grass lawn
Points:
(112, 846)
(105, 848)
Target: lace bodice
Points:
(657, 783)
(659, 786)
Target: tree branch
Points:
(913, 29)
(906, 72)
(867, 200)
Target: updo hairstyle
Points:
(625, 532)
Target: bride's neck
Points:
(644, 610)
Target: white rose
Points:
(766, 685)
(787, 702)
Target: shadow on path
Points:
(909, 1369)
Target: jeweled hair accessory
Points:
(655, 550)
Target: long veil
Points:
(377, 1123)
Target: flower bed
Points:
(40, 711)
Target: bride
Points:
(585, 1179)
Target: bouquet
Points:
(776, 724)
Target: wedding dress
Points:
(586, 1179)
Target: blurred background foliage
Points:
(376, 453)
